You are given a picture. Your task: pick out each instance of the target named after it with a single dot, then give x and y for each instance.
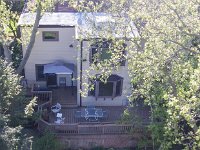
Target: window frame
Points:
(96, 84)
(46, 40)
(93, 60)
(113, 89)
(36, 72)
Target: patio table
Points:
(93, 113)
(83, 113)
(59, 115)
(99, 112)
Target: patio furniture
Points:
(56, 108)
(78, 114)
(59, 115)
(90, 113)
(105, 114)
(93, 119)
(60, 120)
(83, 113)
(99, 112)
(93, 113)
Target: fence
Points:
(78, 129)
(44, 95)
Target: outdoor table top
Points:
(59, 115)
(99, 112)
(92, 112)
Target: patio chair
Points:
(84, 113)
(93, 119)
(99, 112)
(57, 122)
(63, 120)
(56, 108)
(105, 114)
(60, 121)
(78, 114)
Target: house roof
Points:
(57, 68)
(88, 25)
(60, 19)
(98, 25)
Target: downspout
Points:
(81, 68)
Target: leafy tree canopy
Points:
(163, 64)
(12, 108)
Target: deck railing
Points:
(45, 105)
(105, 129)
(78, 129)
(44, 95)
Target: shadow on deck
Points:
(64, 95)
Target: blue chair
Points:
(78, 114)
(105, 114)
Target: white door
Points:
(68, 80)
(62, 81)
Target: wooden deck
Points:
(65, 95)
(114, 115)
(80, 126)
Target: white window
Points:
(50, 35)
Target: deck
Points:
(64, 95)
(115, 114)
(109, 126)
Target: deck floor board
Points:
(65, 95)
(114, 115)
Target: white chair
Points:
(59, 115)
(63, 120)
(56, 108)
(58, 121)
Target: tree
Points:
(166, 71)
(163, 63)
(7, 29)
(47, 142)
(8, 35)
(12, 105)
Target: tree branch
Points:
(186, 48)
(168, 69)
(32, 39)
(7, 53)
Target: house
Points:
(64, 62)
(63, 53)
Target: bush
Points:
(47, 142)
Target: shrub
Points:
(47, 142)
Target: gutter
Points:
(81, 68)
